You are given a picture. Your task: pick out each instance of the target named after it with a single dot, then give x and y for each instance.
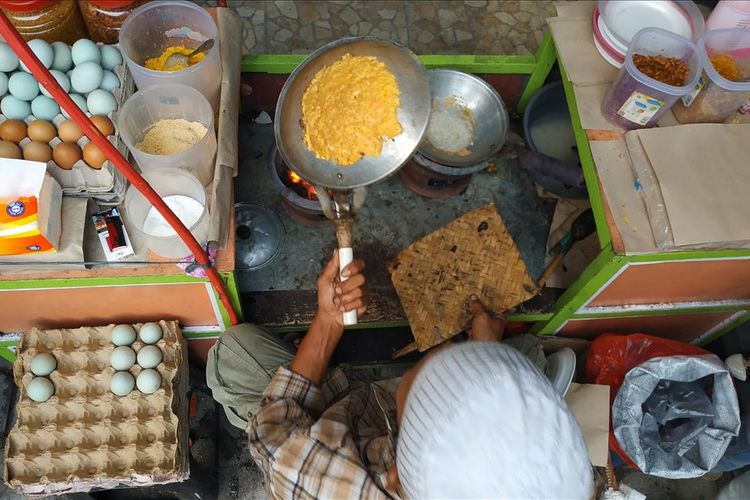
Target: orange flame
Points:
(296, 179)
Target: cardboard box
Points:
(30, 208)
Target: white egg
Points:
(4, 84)
(43, 51)
(44, 108)
(121, 383)
(63, 60)
(109, 81)
(122, 358)
(111, 56)
(123, 335)
(8, 58)
(101, 102)
(85, 50)
(86, 77)
(61, 78)
(14, 108)
(43, 364)
(80, 101)
(150, 333)
(23, 85)
(149, 356)
(40, 389)
(148, 381)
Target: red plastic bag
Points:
(613, 355)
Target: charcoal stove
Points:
(297, 195)
(433, 180)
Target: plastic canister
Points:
(715, 97)
(50, 20)
(104, 18)
(729, 14)
(169, 101)
(150, 29)
(635, 100)
(185, 195)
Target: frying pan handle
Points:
(346, 256)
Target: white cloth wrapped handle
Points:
(346, 256)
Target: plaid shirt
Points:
(336, 441)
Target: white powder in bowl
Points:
(450, 129)
(187, 209)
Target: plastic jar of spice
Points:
(636, 100)
(725, 84)
(50, 20)
(104, 18)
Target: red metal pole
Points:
(24, 53)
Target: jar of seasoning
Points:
(104, 18)
(49, 20)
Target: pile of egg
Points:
(123, 358)
(84, 70)
(40, 388)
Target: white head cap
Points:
(480, 421)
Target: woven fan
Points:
(434, 276)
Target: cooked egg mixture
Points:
(349, 109)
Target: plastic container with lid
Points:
(169, 101)
(729, 14)
(104, 18)
(152, 28)
(50, 20)
(185, 195)
(635, 100)
(715, 97)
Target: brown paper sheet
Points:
(590, 406)
(70, 253)
(434, 276)
(575, 48)
(582, 252)
(704, 181)
(220, 210)
(577, 9)
(626, 204)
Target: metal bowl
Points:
(487, 113)
(413, 115)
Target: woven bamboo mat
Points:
(434, 276)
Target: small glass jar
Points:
(104, 18)
(50, 20)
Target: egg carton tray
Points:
(105, 185)
(84, 437)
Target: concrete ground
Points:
(427, 27)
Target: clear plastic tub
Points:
(729, 14)
(146, 107)
(715, 98)
(635, 100)
(170, 183)
(155, 26)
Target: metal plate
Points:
(413, 115)
(561, 367)
(487, 112)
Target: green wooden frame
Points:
(607, 264)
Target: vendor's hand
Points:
(484, 325)
(336, 296)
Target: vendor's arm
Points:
(300, 454)
(334, 298)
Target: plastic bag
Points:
(613, 355)
(675, 410)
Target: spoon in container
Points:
(178, 59)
